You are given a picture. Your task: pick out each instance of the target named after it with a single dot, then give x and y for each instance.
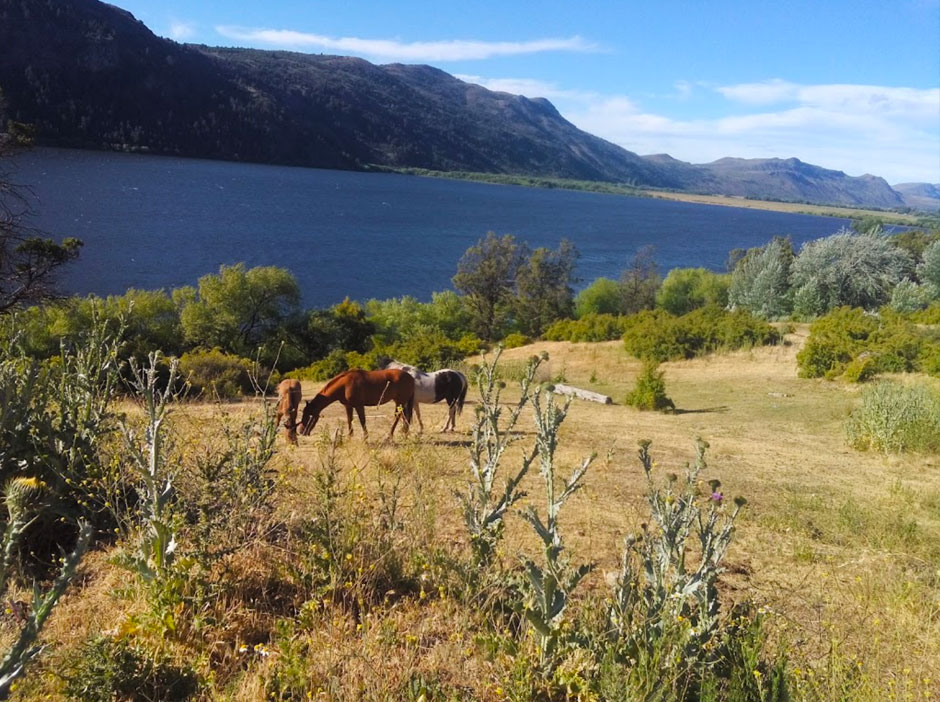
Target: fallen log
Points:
(582, 394)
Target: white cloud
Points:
(528, 87)
(890, 132)
(394, 50)
(181, 31)
(905, 103)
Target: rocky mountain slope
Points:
(90, 75)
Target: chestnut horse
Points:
(289, 397)
(358, 388)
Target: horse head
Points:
(309, 418)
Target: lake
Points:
(160, 222)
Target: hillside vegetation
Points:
(344, 570)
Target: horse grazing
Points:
(446, 384)
(289, 397)
(358, 388)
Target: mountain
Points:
(920, 196)
(90, 75)
(789, 180)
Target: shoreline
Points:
(836, 211)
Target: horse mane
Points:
(334, 382)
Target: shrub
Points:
(929, 269)
(889, 342)
(108, 669)
(215, 372)
(592, 327)
(654, 335)
(686, 289)
(659, 336)
(515, 340)
(930, 315)
(894, 418)
(324, 369)
(649, 393)
(909, 297)
(603, 296)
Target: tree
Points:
(640, 282)
(28, 260)
(603, 296)
(544, 288)
(847, 269)
(929, 269)
(686, 289)
(237, 310)
(760, 282)
(486, 274)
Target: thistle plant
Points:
(24, 499)
(150, 460)
(484, 506)
(660, 599)
(549, 586)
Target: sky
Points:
(851, 85)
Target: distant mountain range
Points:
(90, 75)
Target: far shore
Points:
(630, 191)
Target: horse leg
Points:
(398, 413)
(349, 418)
(418, 415)
(291, 427)
(451, 417)
(361, 411)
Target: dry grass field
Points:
(842, 548)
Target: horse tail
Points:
(463, 392)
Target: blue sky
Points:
(852, 85)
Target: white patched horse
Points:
(446, 384)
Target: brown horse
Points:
(358, 388)
(289, 397)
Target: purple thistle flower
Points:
(717, 497)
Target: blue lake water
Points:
(158, 222)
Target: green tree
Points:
(846, 269)
(639, 283)
(238, 310)
(929, 269)
(342, 327)
(760, 282)
(29, 261)
(686, 289)
(603, 296)
(544, 288)
(486, 275)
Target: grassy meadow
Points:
(839, 550)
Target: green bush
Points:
(649, 393)
(890, 343)
(217, 373)
(515, 340)
(603, 296)
(894, 418)
(324, 369)
(660, 336)
(686, 289)
(591, 327)
(931, 315)
(107, 669)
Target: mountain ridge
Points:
(90, 75)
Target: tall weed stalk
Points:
(549, 585)
(485, 506)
